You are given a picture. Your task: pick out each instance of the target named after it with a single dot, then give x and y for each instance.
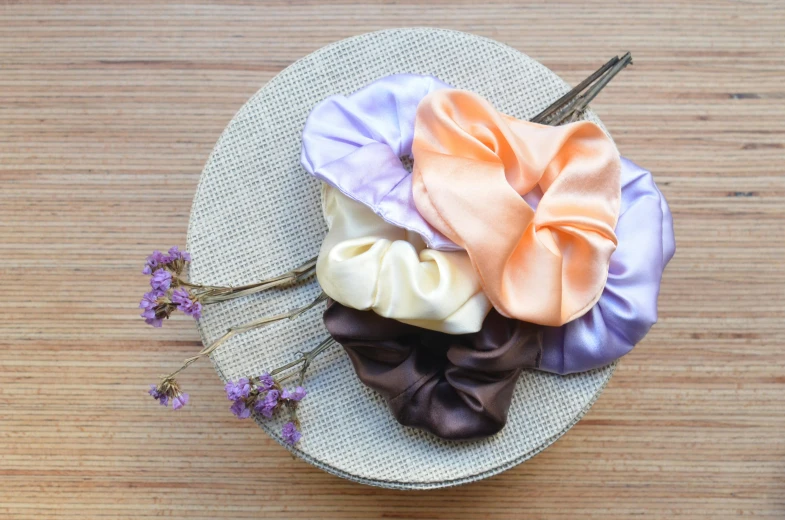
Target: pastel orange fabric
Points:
(544, 261)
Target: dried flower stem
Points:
(306, 358)
(208, 294)
(239, 329)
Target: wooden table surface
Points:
(108, 111)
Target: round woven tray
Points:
(257, 214)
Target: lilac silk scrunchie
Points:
(355, 144)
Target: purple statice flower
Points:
(167, 390)
(180, 400)
(161, 280)
(156, 393)
(267, 406)
(240, 409)
(154, 322)
(294, 395)
(266, 382)
(291, 435)
(183, 300)
(176, 254)
(150, 299)
(157, 259)
(238, 390)
(148, 304)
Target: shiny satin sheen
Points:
(472, 167)
(456, 387)
(367, 263)
(628, 306)
(354, 143)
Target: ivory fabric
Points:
(628, 306)
(355, 144)
(455, 387)
(256, 214)
(367, 263)
(473, 165)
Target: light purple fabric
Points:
(355, 143)
(628, 306)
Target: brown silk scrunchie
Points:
(458, 387)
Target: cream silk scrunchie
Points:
(367, 263)
(472, 167)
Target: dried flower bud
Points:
(161, 280)
(239, 390)
(291, 435)
(295, 395)
(188, 305)
(169, 389)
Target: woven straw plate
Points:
(257, 214)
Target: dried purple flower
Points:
(154, 322)
(154, 392)
(150, 300)
(157, 259)
(240, 409)
(149, 304)
(169, 389)
(176, 254)
(158, 394)
(182, 298)
(161, 280)
(266, 382)
(268, 405)
(295, 395)
(291, 435)
(179, 401)
(239, 390)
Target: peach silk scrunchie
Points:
(544, 263)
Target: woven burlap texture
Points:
(257, 213)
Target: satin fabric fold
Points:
(628, 306)
(472, 168)
(456, 387)
(355, 144)
(367, 263)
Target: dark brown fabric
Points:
(456, 387)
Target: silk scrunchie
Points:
(628, 306)
(456, 387)
(472, 165)
(367, 263)
(355, 143)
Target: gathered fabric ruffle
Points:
(355, 144)
(557, 229)
(476, 172)
(369, 264)
(627, 308)
(456, 387)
